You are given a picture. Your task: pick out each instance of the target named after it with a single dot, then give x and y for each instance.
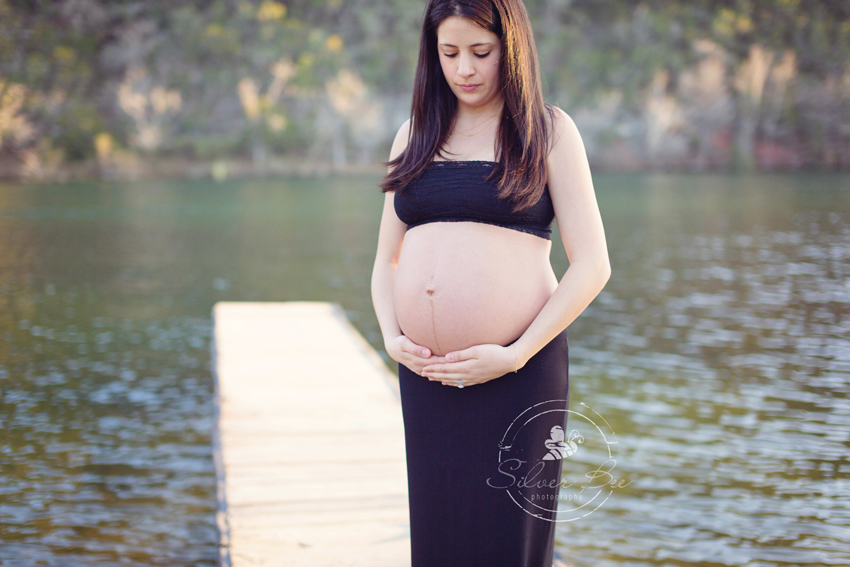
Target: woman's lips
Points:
(468, 88)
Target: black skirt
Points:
(484, 463)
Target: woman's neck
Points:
(468, 116)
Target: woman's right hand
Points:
(414, 356)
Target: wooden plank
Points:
(309, 440)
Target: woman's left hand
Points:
(474, 365)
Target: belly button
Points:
(430, 288)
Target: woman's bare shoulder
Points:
(401, 139)
(559, 123)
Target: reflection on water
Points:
(718, 353)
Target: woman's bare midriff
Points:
(458, 284)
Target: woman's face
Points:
(469, 55)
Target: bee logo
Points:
(558, 447)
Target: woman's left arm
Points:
(580, 225)
(582, 233)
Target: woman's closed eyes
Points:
(479, 55)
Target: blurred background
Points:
(211, 87)
(161, 156)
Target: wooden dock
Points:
(309, 445)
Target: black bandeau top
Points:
(459, 191)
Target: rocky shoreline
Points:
(619, 158)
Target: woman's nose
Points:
(465, 67)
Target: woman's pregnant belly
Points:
(458, 284)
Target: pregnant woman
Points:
(464, 292)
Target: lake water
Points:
(717, 358)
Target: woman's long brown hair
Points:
(522, 137)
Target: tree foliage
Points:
(207, 79)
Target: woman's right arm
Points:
(390, 239)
